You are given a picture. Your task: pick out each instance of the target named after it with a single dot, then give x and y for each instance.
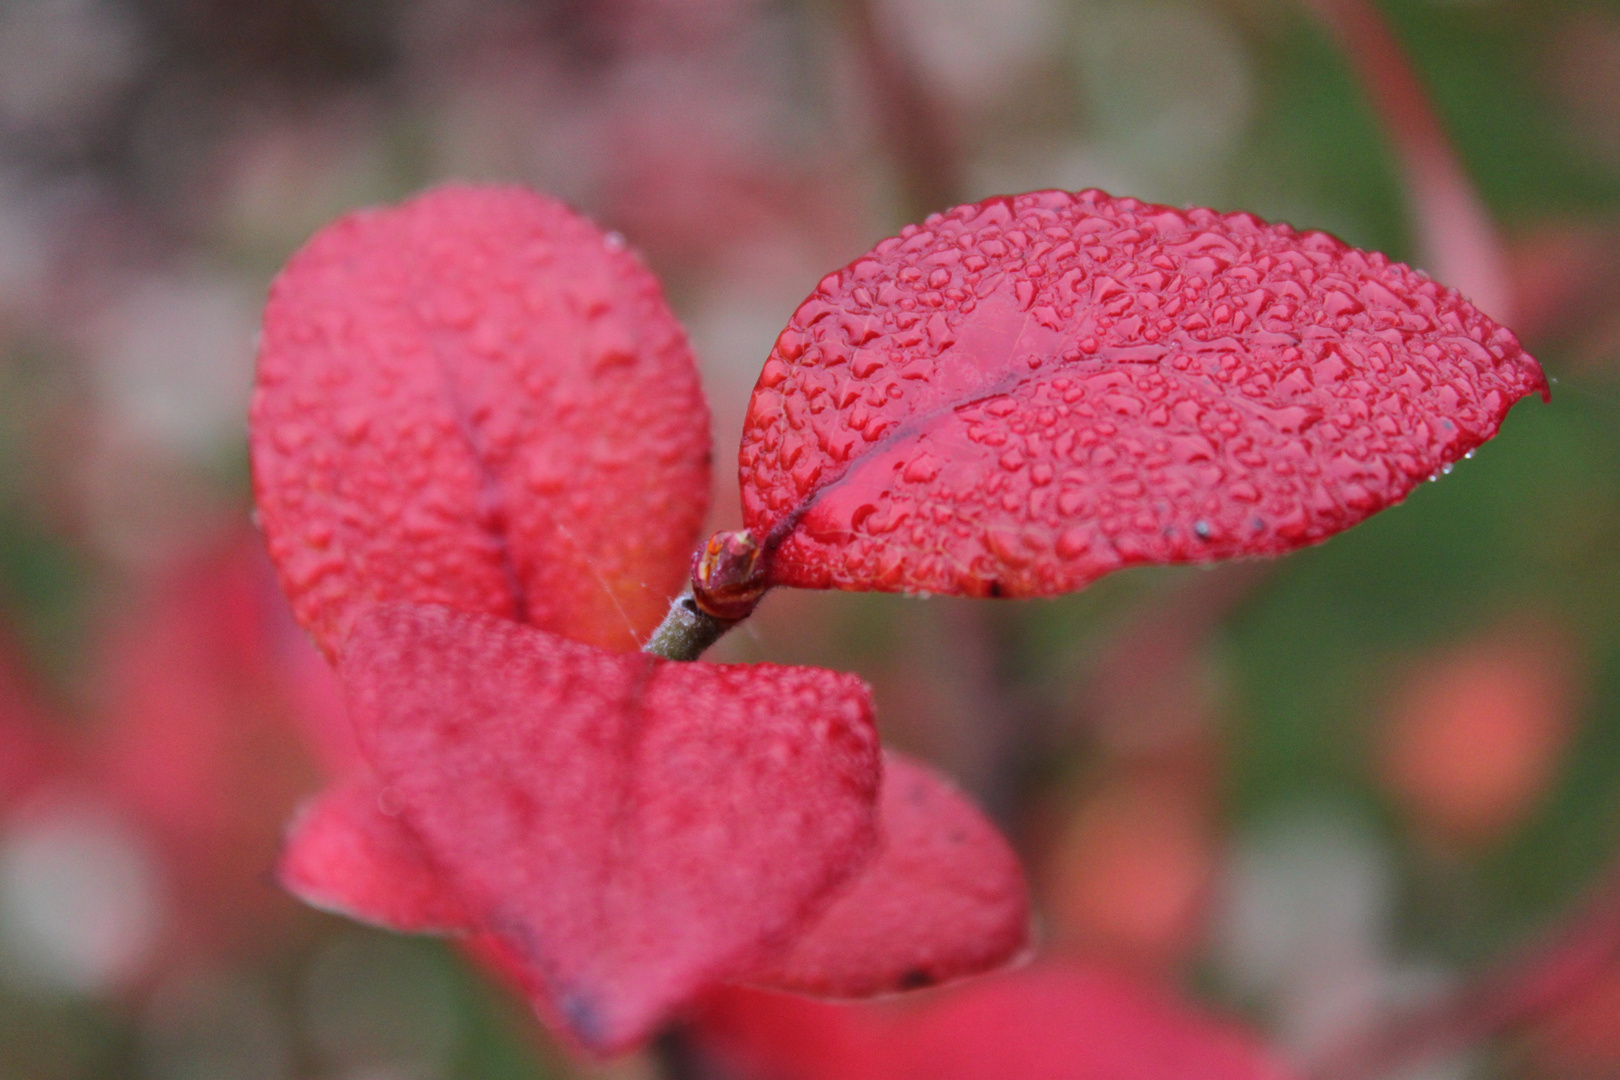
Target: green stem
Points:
(686, 631)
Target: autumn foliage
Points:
(481, 460)
(1019, 396)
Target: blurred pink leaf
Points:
(344, 854)
(943, 898)
(1043, 1023)
(630, 829)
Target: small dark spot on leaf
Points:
(915, 979)
(996, 590)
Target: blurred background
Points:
(1314, 792)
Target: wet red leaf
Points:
(1045, 1023)
(477, 399)
(944, 898)
(1021, 395)
(630, 829)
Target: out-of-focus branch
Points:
(1457, 240)
(675, 1057)
(914, 125)
(1553, 969)
(1138, 674)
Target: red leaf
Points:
(1021, 395)
(631, 829)
(346, 855)
(477, 399)
(200, 733)
(944, 898)
(1047, 1023)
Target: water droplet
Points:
(921, 469)
(1073, 542)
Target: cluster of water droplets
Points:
(1019, 395)
(478, 399)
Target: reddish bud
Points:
(727, 577)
